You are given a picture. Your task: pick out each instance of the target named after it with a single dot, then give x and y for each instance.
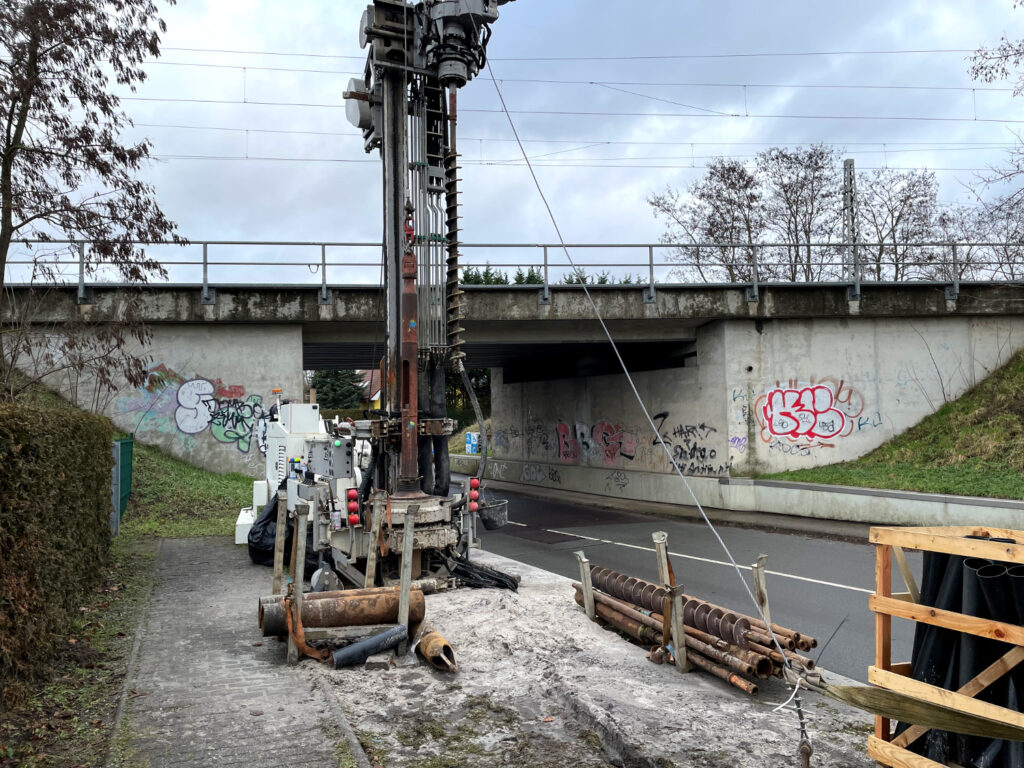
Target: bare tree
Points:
(724, 208)
(962, 227)
(897, 210)
(65, 171)
(990, 65)
(802, 205)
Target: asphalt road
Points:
(816, 585)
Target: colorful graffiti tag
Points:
(605, 441)
(808, 412)
(170, 403)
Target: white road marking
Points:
(714, 562)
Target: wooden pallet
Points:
(890, 544)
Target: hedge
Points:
(55, 470)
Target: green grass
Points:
(973, 446)
(171, 498)
(69, 720)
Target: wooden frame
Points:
(890, 544)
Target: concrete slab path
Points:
(204, 688)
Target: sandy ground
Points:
(541, 685)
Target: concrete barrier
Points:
(768, 497)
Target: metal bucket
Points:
(493, 514)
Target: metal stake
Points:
(279, 539)
(298, 573)
(209, 296)
(588, 587)
(82, 298)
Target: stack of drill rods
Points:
(738, 659)
(707, 657)
(652, 597)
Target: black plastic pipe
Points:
(363, 649)
(975, 654)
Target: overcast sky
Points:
(606, 164)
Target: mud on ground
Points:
(540, 685)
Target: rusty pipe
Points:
(358, 610)
(747, 662)
(267, 599)
(779, 659)
(651, 597)
(631, 627)
(721, 672)
(437, 651)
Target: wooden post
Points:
(761, 587)
(683, 664)
(408, 534)
(588, 587)
(883, 625)
(279, 538)
(376, 521)
(298, 572)
(660, 539)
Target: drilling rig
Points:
(389, 516)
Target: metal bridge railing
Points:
(647, 266)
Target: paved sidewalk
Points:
(205, 688)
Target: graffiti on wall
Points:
(692, 446)
(188, 407)
(812, 414)
(605, 442)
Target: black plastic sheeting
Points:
(949, 659)
(263, 533)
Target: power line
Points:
(584, 113)
(745, 55)
(544, 81)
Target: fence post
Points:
(325, 292)
(953, 291)
(648, 295)
(84, 295)
(752, 289)
(209, 295)
(545, 294)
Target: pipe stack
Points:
(724, 643)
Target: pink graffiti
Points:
(809, 412)
(568, 448)
(605, 441)
(613, 442)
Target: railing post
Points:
(325, 292)
(545, 294)
(209, 295)
(953, 291)
(648, 295)
(853, 291)
(83, 295)
(752, 289)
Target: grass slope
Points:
(973, 446)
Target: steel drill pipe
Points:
(650, 596)
(730, 677)
(355, 611)
(748, 662)
(646, 633)
(306, 596)
(779, 659)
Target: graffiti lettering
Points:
(532, 473)
(604, 441)
(739, 443)
(809, 412)
(169, 403)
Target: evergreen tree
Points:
(339, 389)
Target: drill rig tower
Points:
(419, 55)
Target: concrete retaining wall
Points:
(768, 497)
(762, 396)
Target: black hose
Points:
(364, 486)
(360, 651)
(439, 410)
